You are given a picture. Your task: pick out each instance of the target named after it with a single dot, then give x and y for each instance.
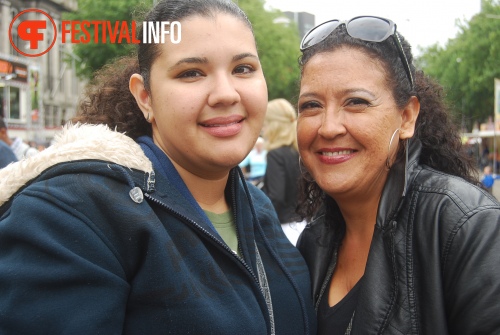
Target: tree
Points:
(278, 44)
(95, 55)
(468, 64)
(278, 47)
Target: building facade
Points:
(305, 21)
(37, 94)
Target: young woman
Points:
(402, 240)
(152, 229)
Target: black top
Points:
(335, 320)
(281, 182)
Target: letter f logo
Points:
(28, 31)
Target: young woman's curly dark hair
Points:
(435, 127)
(107, 100)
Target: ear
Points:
(409, 118)
(141, 95)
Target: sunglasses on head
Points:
(366, 28)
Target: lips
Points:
(335, 155)
(223, 126)
(222, 121)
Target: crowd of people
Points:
(369, 216)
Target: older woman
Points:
(151, 229)
(402, 240)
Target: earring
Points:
(147, 117)
(388, 160)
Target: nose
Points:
(224, 92)
(332, 124)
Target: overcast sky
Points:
(421, 22)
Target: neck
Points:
(360, 216)
(208, 193)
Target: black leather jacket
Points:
(434, 261)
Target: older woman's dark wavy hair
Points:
(107, 99)
(435, 127)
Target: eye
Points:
(244, 69)
(190, 74)
(356, 104)
(309, 105)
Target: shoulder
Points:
(457, 192)
(79, 183)
(260, 200)
(6, 155)
(81, 144)
(461, 213)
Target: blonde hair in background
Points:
(280, 124)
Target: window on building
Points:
(14, 102)
(49, 115)
(15, 37)
(3, 102)
(62, 62)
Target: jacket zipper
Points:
(206, 232)
(212, 237)
(264, 293)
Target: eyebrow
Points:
(204, 60)
(356, 90)
(244, 55)
(190, 60)
(346, 91)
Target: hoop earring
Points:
(147, 117)
(304, 174)
(388, 160)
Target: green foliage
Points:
(278, 46)
(468, 64)
(95, 55)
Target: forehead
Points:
(344, 65)
(221, 33)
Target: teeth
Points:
(343, 152)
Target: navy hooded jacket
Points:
(93, 241)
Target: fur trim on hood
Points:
(73, 143)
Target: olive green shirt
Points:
(226, 227)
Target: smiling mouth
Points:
(221, 125)
(337, 153)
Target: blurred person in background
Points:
(488, 178)
(20, 148)
(254, 164)
(7, 156)
(283, 170)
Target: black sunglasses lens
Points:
(318, 34)
(371, 29)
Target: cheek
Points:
(306, 131)
(255, 100)
(306, 134)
